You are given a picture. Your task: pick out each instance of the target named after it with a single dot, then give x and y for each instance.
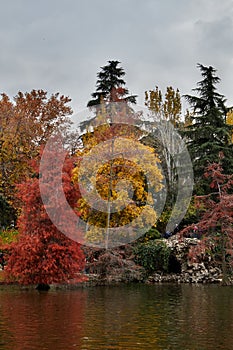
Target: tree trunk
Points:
(43, 287)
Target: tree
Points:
(26, 123)
(110, 86)
(216, 223)
(229, 121)
(42, 254)
(166, 110)
(208, 134)
(116, 172)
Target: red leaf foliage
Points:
(42, 254)
(217, 216)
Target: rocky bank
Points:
(118, 266)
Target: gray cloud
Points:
(60, 45)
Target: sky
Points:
(59, 46)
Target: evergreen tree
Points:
(110, 86)
(208, 135)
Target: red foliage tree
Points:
(217, 215)
(42, 254)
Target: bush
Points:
(153, 256)
(152, 234)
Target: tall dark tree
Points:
(208, 135)
(110, 86)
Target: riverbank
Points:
(118, 266)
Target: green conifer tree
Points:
(110, 86)
(208, 135)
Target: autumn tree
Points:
(168, 107)
(229, 121)
(166, 113)
(208, 134)
(216, 222)
(42, 254)
(116, 172)
(26, 123)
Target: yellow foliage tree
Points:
(168, 107)
(229, 121)
(118, 178)
(167, 111)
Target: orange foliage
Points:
(26, 123)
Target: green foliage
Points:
(208, 135)
(8, 236)
(110, 86)
(153, 256)
(163, 219)
(152, 234)
(192, 214)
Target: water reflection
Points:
(160, 317)
(135, 317)
(32, 320)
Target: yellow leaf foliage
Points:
(229, 121)
(168, 107)
(118, 173)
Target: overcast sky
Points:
(60, 45)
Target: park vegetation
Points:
(34, 251)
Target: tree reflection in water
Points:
(41, 320)
(138, 317)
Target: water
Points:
(161, 317)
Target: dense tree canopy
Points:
(112, 162)
(26, 123)
(107, 183)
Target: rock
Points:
(191, 272)
(117, 266)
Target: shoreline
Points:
(97, 281)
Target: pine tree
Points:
(110, 86)
(208, 135)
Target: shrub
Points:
(153, 256)
(152, 234)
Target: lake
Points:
(158, 317)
